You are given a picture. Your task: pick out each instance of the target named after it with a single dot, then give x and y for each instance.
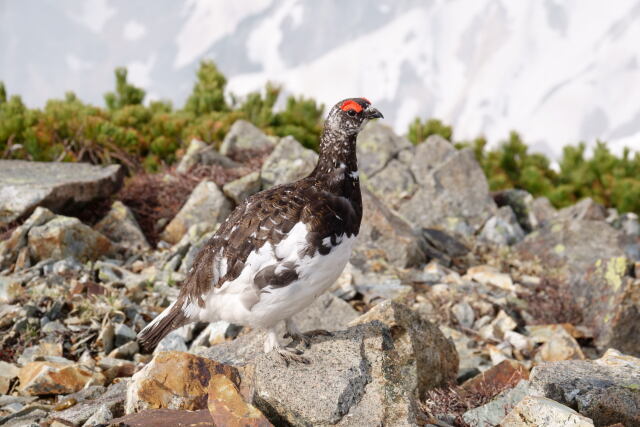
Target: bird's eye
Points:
(352, 113)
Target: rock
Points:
(125, 351)
(123, 334)
(502, 228)
(172, 342)
(40, 351)
(175, 380)
(227, 407)
(497, 329)
(605, 390)
(488, 275)
(121, 227)
(493, 412)
(377, 146)
(496, 379)
(533, 411)
(451, 184)
(115, 275)
(393, 184)
(521, 203)
(361, 383)
(214, 333)
(8, 372)
(40, 378)
(28, 417)
(557, 343)
(629, 224)
(106, 337)
(205, 204)
(384, 234)
(243, 187)
(288, 162)
(464, 314)
(54, 327)
(425, 355)
(102, 416)
(585, 209)
(381, 289)
(112, 400)
(57, 186)
(64, 237)
(444, 243)
(166, 417)
(327, 312)
(199, 153)
(116, 368)
(244, 136)
(10, 248)
(543, 210)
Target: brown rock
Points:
(424, 353)
(227, 408)
(166, 417)
(504, 375)
(175, 380)
(558, 343)
(121, 227)
(8, 372)
(39, 378)
(64, 237)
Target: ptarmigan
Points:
(281, 248)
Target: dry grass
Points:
(549, 302)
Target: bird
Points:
(281, 248)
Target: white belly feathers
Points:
(241, 302)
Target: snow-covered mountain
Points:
(558, 71)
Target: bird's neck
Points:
(337, 164)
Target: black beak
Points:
(373, 113)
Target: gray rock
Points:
(585, 209)
(288, 162)
(359, 378)
(629, 224)
(493, 412)
(377, 144)
(327, 312)
(54, 327)
(241, 188)
(26, 185)
(244, 136)
(605, 390)
(199, 153)
(383, 234)
(115, 275)
(18, 240)
(123, 334)
(393, 184)
(464, 314)
(425, 357)
(30, 416)
(63, 237)
(543, 210)
(113, 399)
(173, 341)
(102, 416)
(521, 202)
(205, 204)
(375, 289)
(534, 411)
(451, 188)
(502, 228)
(121, 227)
(125, 351)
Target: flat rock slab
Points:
(605, 390)
(26, 185)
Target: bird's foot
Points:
(306, 337)
(290, 355)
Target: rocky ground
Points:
(458, 307)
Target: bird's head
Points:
(349, 116)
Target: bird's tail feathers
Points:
(171, 318)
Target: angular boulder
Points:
(63, 237)
(199, 153)
(228, 408)
(241, 188)
(57, 186)
(121, 227)
(175, 380)
(451, 187)
(244, 136)
(42, 378)
(376, 146)
(354, 381)
(533, 411)
(10, 248)
(502, 228)
(385, 235)
(288, 162)
(206, 203)
(425, 355)
(605, 390)
(393, 184)
(112, 400)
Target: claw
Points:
(292, 355)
